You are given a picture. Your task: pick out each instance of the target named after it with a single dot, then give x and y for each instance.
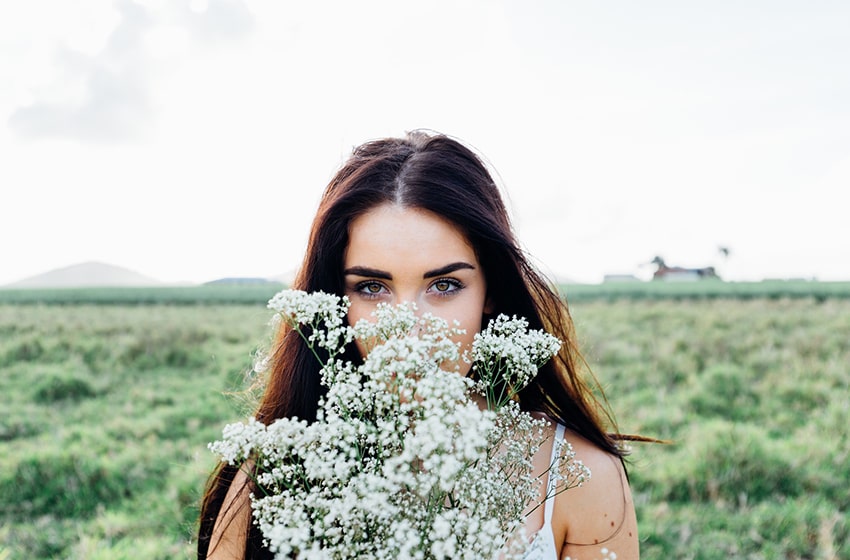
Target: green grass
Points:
(706, 289)
(217, 294)
(106, 411)
(207, 294)
(753, 396)
(105, 415)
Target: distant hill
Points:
(86, 275)
(285, 278)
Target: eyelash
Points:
(362, 288)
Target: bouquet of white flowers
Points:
(405, 459)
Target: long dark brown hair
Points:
(436, 173)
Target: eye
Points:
(370, 289)
(445, 286)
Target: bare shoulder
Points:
(230, 532)
(598, 517)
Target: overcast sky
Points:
(191, 140)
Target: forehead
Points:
(392, 235)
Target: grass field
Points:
(216, 294)
(106, 409)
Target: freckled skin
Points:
(391, 255)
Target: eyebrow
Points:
(375, 273)
(368, 272)
(448, 269)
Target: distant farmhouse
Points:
(681, 274)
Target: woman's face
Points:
(398, 254)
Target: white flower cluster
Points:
(401, 462)
(506, 356)
(323, 315)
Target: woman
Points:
(420, 219)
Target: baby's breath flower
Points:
(261, 363)
(322, 315)
(506, 357)
(401, 462)
(297, 307)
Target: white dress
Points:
(543, 546)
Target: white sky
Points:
(191, 140)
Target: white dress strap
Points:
(552, 484)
